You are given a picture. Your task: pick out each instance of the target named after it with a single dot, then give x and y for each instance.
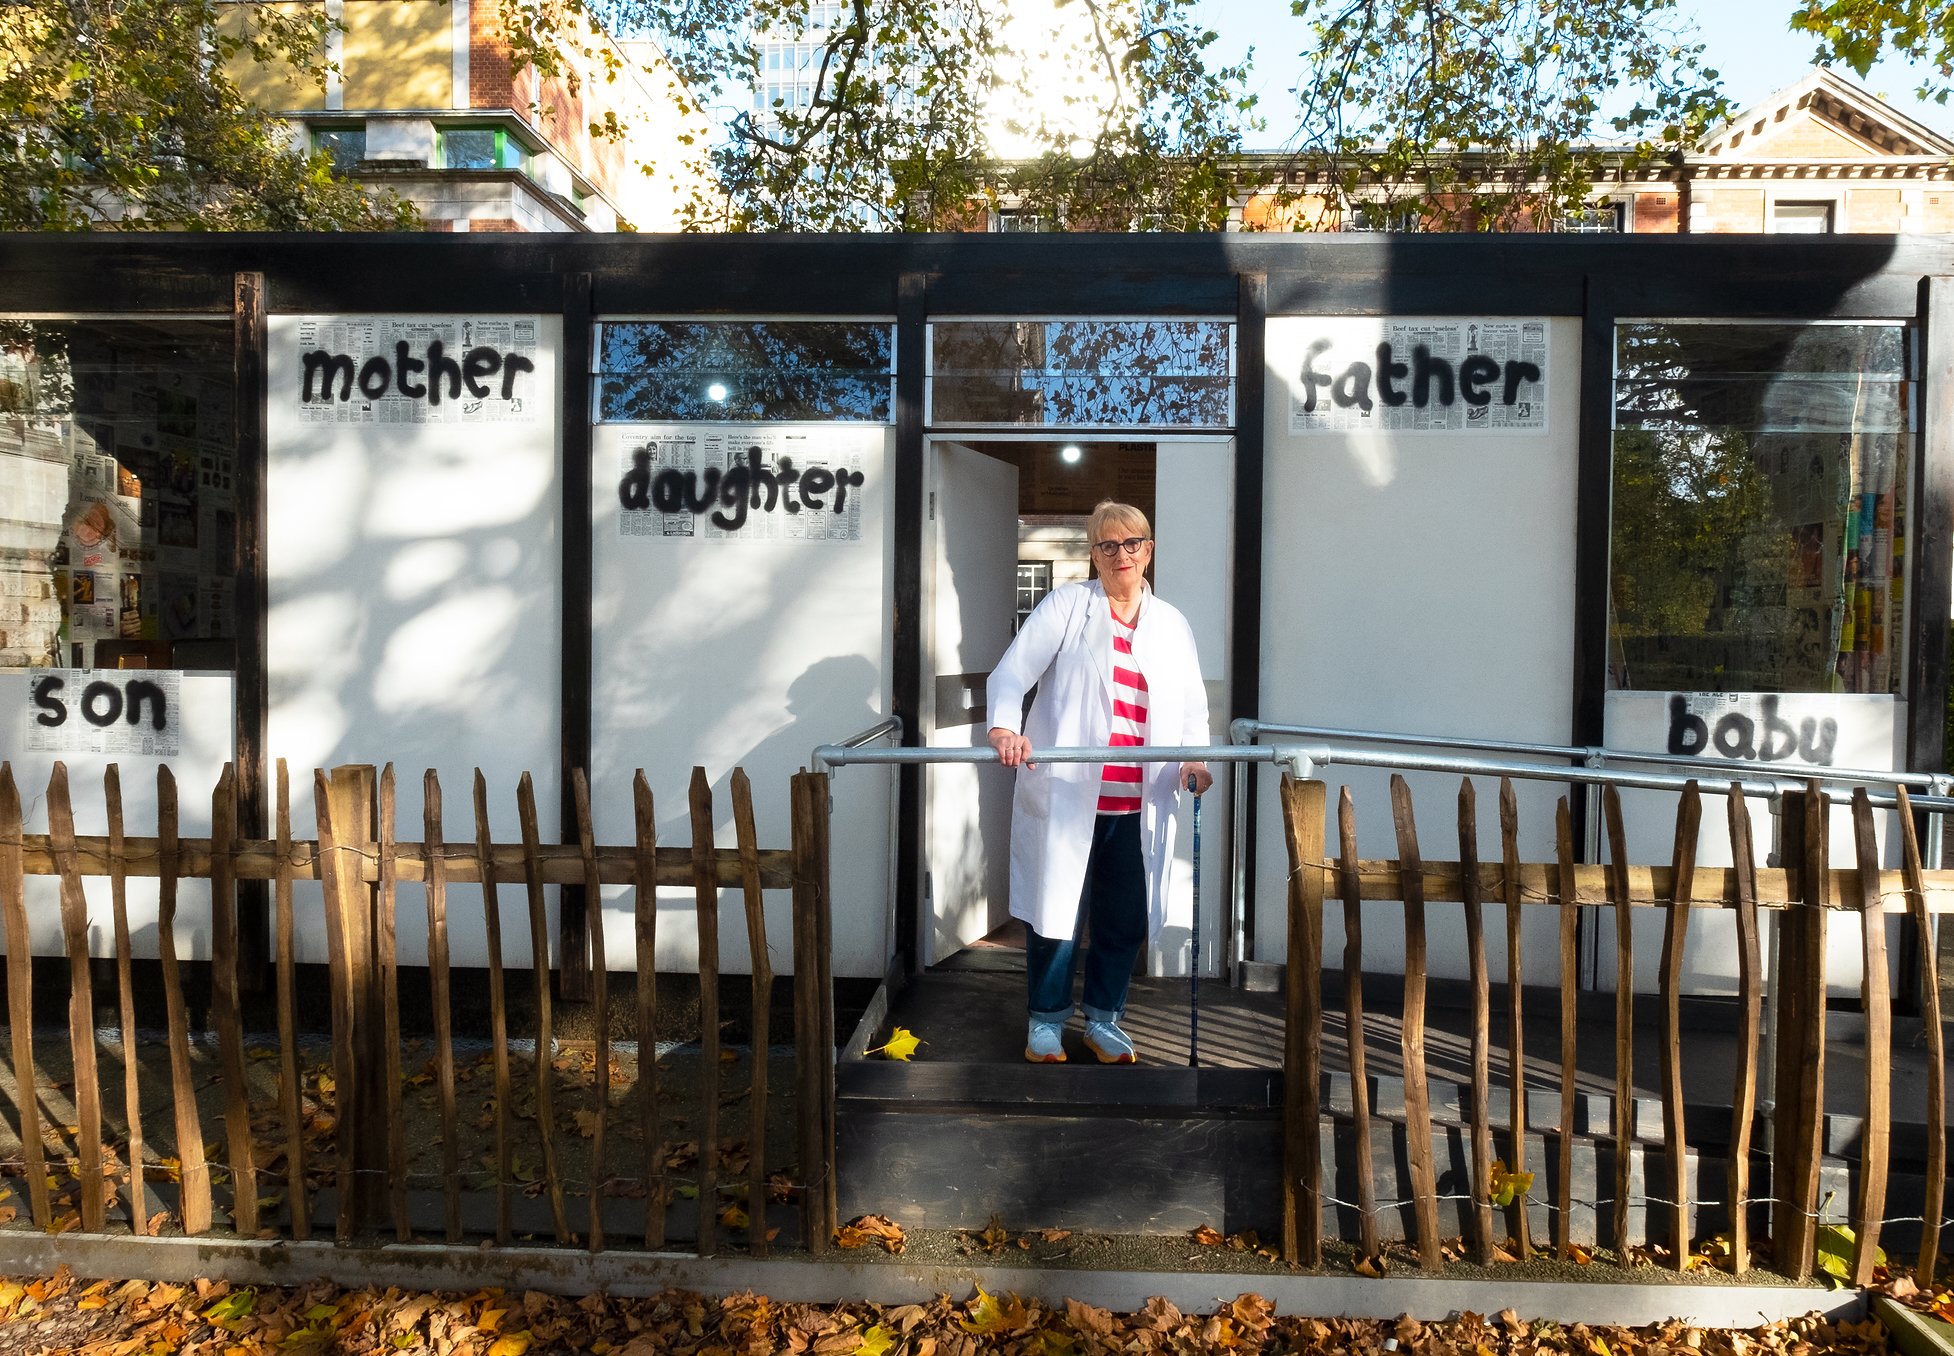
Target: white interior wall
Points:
(727, 652)
(415, 598)
(1420, 582)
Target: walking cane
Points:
(1194, 972)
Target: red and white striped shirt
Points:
(1119, 786)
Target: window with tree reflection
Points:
(745, 370)
(118, 494)
(1759, 513)
(1083, 373)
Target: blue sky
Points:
(1747, 42)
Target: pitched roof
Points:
(1834, 115)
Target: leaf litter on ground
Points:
(57, 1313)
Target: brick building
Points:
(1822, 155)
(422, 98)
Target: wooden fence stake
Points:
(225, 1006)
(20, 996)
(1618, 896)
(1417, 1098)
(1750, 985)
(386, 958)
(1302, 1133)
(81, 1003)
(1874, 1142)
(705, 893)
(1675, 937)
(498, 1012)
(440, 988)
(539, 961)
(1570, 919)
(600, 997)
(1353, 1016)
(646, 889)
(290, 1090)
(809, 1032)
(1481, 1092)
(1808, 981)
(363, 1116)
(1936, 1197)
(824, 990)
(756, 943)
(342, 903)
(126, 995)
(193, 1172)
(1516, 1045)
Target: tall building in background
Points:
(790, 64)
(422, 99)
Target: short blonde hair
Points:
(1110, 512)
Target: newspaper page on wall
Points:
(417, 370)
(745, 482)
(1423, 374)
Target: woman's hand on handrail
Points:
(1013, 749)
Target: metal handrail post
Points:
(1240, 731)
(1767, 1074)
(1238, 838)
(1596, 759)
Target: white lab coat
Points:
(1065, 648)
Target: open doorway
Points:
(1007, 525)
(1059, 482)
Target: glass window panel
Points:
(745, 370)
(469, 148)
(1801, 218)
(1759, 507)
(118, 494)
(1034, 582)
(346, 146)
(1083, 373)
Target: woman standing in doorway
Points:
(1115, 667)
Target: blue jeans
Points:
(1113, 903)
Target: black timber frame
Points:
(915, 278)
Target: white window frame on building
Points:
(1803, 216)
(1608, 217)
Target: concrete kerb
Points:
(1914, 1334)
(564, 1271)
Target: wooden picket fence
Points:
(362, 864)
(1807, 892)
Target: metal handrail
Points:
(1246, 731)
(840, 755)
(891, 727)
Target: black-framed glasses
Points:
(1108, 550)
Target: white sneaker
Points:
(1044, 1042)
(1107, 1041)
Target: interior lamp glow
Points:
(716, 391)
(1070, 454)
